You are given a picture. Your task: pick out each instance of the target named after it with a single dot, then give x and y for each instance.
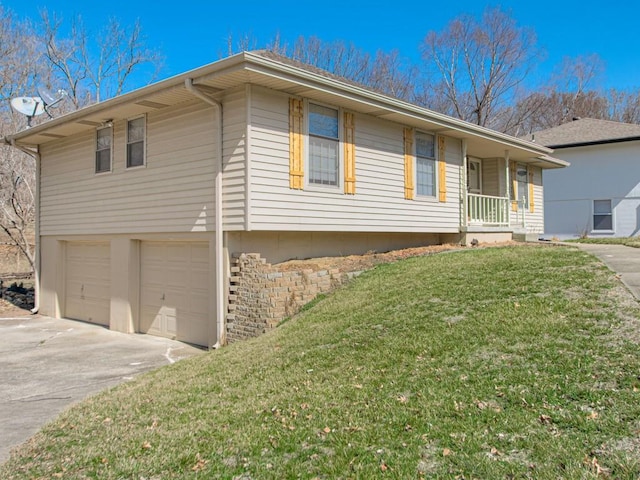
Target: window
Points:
(425, 164)
(135, 142)
(602, 215)
(104, 141)
(324, 142)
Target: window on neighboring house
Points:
(135, 142)
(324, 142)
(522, 181)
(602, 215)
(104, 141)
(425, 164)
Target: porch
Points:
(500, 196)
(492, 211)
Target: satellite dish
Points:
(34, 106)
(49, 100)
(29, 106)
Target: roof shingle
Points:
(585, 131)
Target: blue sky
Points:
(192, 33)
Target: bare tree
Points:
(88, 70)
(624, 105)
(385, 72)
(92, 69)
(478, 64)
(570, 93)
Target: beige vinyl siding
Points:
(492, 170)
(234, 193)
(379, 203)
(174, 192)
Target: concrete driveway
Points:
(625, 261)
(48, 364)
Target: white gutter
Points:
(364, 95)
(36, 283)
(219, 242)
(274, 68)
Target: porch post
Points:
(507, 185)
(463, 187)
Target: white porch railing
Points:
(487, 210)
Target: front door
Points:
(474, 176)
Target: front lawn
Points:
(628, 241)
(515, 362)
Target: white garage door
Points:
(174, 299)
(87, 282)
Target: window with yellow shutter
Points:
(324, 145)
(425, 164)
(328, 136)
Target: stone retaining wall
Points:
(17, 294)
(261, 295)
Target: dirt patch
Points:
(8, 309)
(352, 263)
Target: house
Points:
(143, 198)
(599, 194)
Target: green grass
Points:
(517, 362)
(628, 241)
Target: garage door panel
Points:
(175, 290)
(199, 304)
(87, 282)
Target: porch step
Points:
(526, 237)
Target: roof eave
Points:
(125, 98)
(596, 142)
(400, 106)
(268, 66)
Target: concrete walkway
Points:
(625, 261)
(48, 364)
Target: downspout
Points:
(36, 273)
(219, 239)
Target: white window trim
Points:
(95, 143)
(339, 188)
(144, 146)
(593, 214)
(478, 162)
(436, 168)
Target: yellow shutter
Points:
(408, 164)
(349, 154)
(296, 159)
(442, 170)
(531, 192)
(514, 187)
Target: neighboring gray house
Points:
(143, 198)
(599, 194)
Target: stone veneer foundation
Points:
(261, 295)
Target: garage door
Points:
(174, 297)
(87, 282)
